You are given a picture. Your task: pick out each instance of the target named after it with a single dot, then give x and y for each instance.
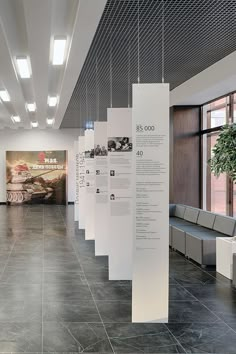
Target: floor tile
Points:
(79, 311)
(212, 292)
(179, 293)
(75, 337)
(19, 277)
(62, 266)
(64, 277)
(20, 337)
(225, 310)
(13, 310)
(202, 338)
(190, 311)
(111, 291)
(142, 338)
(114, 311)
(69, 291)
(20, 291)
(96, 276)
(57, 257)
(195, 276)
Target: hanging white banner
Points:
(101, 189)
(151, 190)
(76, 205)
(119, 131)
(90, 184)
(82, 184)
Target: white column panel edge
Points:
(101, 189)
(76, 205)
(150, 294)
(120, 217)
(90, 184)
(82, 184)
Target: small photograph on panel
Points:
(112, 173)
(97, 190)
(89, 154)
(98, 172)
(112, 197)
(100, 150)
(87, 184)
(87, 171)
(118, 144)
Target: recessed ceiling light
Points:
(34, 124)
(16, 119)
(52, 101)
(4, 96)
(59, 46)
(23, 66)
(50, 121)
(31, 107)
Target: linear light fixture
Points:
(15, 119)
(23, 66)
(50, 121)
(59, 47)
(31, 107)
(52, 101)
(34, 124)
(4, 95)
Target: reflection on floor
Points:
(55, 295)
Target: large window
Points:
(219, 194)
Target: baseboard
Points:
(3, 203)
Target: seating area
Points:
(193, 232)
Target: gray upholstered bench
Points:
(193, 232)
(201, 246)
(234, 270)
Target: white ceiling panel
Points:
(27, 28)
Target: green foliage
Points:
(224, 153)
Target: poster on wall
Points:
(150, 285)
(90, 185)
(101, 188)
(119, 142)
(36, 177)
(82, 183)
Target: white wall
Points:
(34, 140)
(217, 80)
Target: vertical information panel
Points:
(90, 184)
(120, 223)
(101, 189)
(76, 154)
(82, 184)
(151, 192)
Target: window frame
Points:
(230, 105)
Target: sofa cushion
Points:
(172, 209)
(224, 224)
(179, 211)
(189, 228)
(206, 219)
(191, 214)
(204, 235)
(178, 221)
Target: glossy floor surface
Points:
(55, 296)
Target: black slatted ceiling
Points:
(197, 34)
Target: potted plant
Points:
(224, 153)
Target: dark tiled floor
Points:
(55, 296)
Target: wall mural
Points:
(36, 177)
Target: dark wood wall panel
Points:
(185, 174)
